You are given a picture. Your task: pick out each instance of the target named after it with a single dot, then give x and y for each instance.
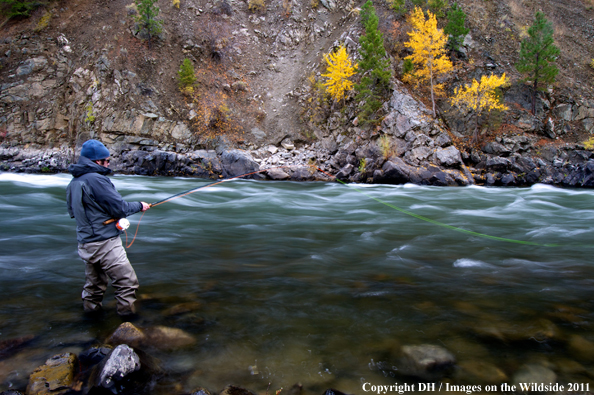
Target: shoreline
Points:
(294, 164)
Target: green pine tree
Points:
(374, 66)
(18, 8)
(147, 12)
(186, 75)
(455, 28)
(537, 55)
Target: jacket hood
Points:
(85, 166)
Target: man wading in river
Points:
(92, 199)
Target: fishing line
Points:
(417, 216)
(434, 222)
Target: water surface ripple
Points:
(315, 282)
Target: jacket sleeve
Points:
(111, 201)
(69, 202)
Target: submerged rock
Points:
(182, 308)
(166, 338)
(536, 374)
(581, 348)
(12, 346)
(427, 361)
(55, 377)
(479, 372)
(128, 334)
(233, 390)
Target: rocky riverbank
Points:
(410, 146)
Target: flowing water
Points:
(317, 283)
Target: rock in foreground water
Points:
(55, 377)
(120, 363)
(427, 361)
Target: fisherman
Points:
(92, 199)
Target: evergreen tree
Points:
(537, 54)
(455, 28)
(18, 8)
(147, 12)
(186, 77)
(374, 65)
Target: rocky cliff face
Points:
(63, 85)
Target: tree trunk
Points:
(432, 94)
(535, 87)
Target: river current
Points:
(317, 283)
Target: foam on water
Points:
(465, 262)
(37, 180)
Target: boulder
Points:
(449, 157)
(166, 338)
(126, 333)
(120, 363)
(394, 171)
(55, 377)
(237, 162)
(345, 172)
(277, 174)
(497, 163)
(563, 111)
(584, 112)
(426, 361)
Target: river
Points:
(318, 283)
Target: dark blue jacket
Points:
(93, 199)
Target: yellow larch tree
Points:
(428, 44)
(340, 69)
(479, 97)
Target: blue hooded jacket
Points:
(92, 199)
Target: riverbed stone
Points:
(581, 348)
(56, 377)
(167, 338)
(126, 333)
(534, 373)
(426, 361)
(234, 390)
(121, 362)
(479, 372)
(201, 391)
(182, 308)
(9, 347)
